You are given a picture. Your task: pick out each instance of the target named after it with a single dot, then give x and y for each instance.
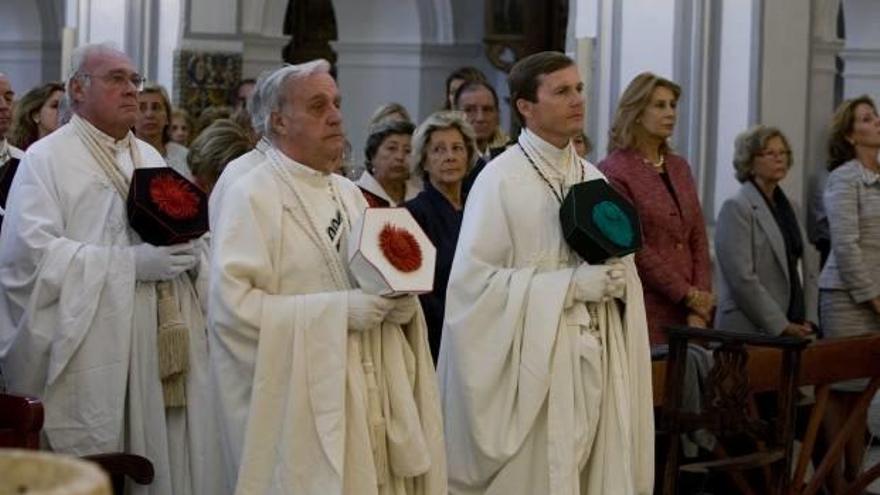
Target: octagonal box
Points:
(598, 223)
(390, 255)
(165, 208)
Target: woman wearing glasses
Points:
(759, 244)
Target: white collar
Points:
(298, 170)
(559, 160)
(8, 151)
(369, 183)
(113, 144)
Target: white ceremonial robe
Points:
(291, 383)
(533, 401)
(79, 332)
(176, 158)
(231, 173)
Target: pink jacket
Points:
(675, 251)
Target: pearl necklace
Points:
(657, 165)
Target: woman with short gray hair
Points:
(443, 149)
(759, 244)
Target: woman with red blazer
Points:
(674, 260)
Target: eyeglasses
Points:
(774, 154)
(120, 79)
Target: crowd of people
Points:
(499, 380)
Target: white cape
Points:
(77, 330)
(291, 384)
(533, 401)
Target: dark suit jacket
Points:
(675, 251)
(478, 167)
(441, 223)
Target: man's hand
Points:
(404, 309)
(155, 263)
(598, 283)
(366, 311)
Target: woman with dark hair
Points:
(849, 296)
(674, 260)
(759, 244)
(36, 114)
(443, 147)
(385, 180)
(153, 126)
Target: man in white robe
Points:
(78, 311)
(544, 364)
(241, 165)
(295, 384)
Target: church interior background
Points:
(780, 62)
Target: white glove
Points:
(366, 311)
(404, 309)
(154, 263)
(598, 283)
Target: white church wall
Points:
(861, 54)
(21, 44)
(170, 30)
(734, 93)
(647, 37)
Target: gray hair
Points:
(439, 121)
(271, 88)
(78, 59)
(749, 144)
(256, 106)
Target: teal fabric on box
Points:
(613, 223)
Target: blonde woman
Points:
(674, 259)
(36, 114)
(152, 125)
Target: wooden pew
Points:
(822, 363)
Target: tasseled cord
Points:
(375, 416)
(173, 347)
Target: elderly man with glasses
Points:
(79, 324)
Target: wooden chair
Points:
(21, 419)
(728, 409)
(823, 363)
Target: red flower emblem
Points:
(174, 197)
(400, 248)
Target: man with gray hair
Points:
(9, 155)
(79, 322)
(288, 323)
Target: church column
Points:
(823, 69)
(861, 55)
(410, 73)
(785, 76)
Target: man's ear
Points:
(524, 106)
(277, 123)
(77, 90)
